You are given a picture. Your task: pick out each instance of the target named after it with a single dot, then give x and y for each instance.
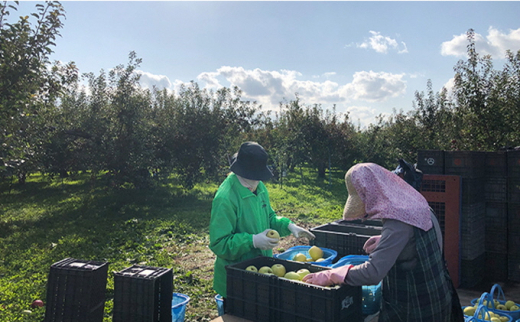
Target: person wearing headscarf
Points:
(407, 256)
(241, 215)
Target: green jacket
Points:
(236, 215)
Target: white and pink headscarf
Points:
(384, 195)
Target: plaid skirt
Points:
(422, 294)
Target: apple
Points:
(292, 275)
(504, 319)
(315, 252)
(252, 268)
(495, 319)
(319, 260)
(37, 303)
(514, 308)
(300, 257)
(310, 260)
(509, 303)
(265, 270)
(303, 272)
(273, 234)
(278, 270)
(470, 311)
(501, 307)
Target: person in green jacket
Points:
(241, 215)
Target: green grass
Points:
(45, 221)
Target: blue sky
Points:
(367, 58)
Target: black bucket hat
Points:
(251, 162)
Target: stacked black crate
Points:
(143, 294)
(76, 291)
(496, 216)
(431, 161)
(470, 166)
(513, 179)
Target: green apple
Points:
(501, 307)
(504, 319)
(509, 303)
(273, 234)
(310, 260)
(252, 268)
(303, 272)
(315, 252)
(300, 257)
(514, 308)
(495, 319)
(278, 270)
(265, 270)
(320, 260)
(292, 275)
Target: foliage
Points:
(29, 85)
(46, 220)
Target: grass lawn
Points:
(45, 221)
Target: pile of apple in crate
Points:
(271, 289)
(488, 308)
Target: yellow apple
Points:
(300, 257)
(292, 275)
(278, 270)
(265, 270)
(303, 272)
(514, 308)
(273, 234)
(310, 260)
(495, 319)
(320, 260)
(315, 252)
(504, 318)
(501, 307)
(252, 268)
(470, 311)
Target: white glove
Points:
(261, 241)
(300, 232)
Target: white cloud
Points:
(382, 44)
(269, 88)
(495, 43)
(148, 80)
(449, 86)
(375, 87)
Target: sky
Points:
(365, 58)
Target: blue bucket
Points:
(220, 304)
(179, 302)
(328, 254)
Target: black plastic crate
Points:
(472, 271)
(495, 189)
(76, 291)
(377, 224)
(496, 239)
(513, 268)
(143, 294)
(258, 297)
(472, 191)
(346, 240)
(431, 161)
(467, 164)
(496, 216)
(496, 164)
(496, 266)
(513, 163)
(513, 190)
(473, 230)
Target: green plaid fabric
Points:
(423, 293)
